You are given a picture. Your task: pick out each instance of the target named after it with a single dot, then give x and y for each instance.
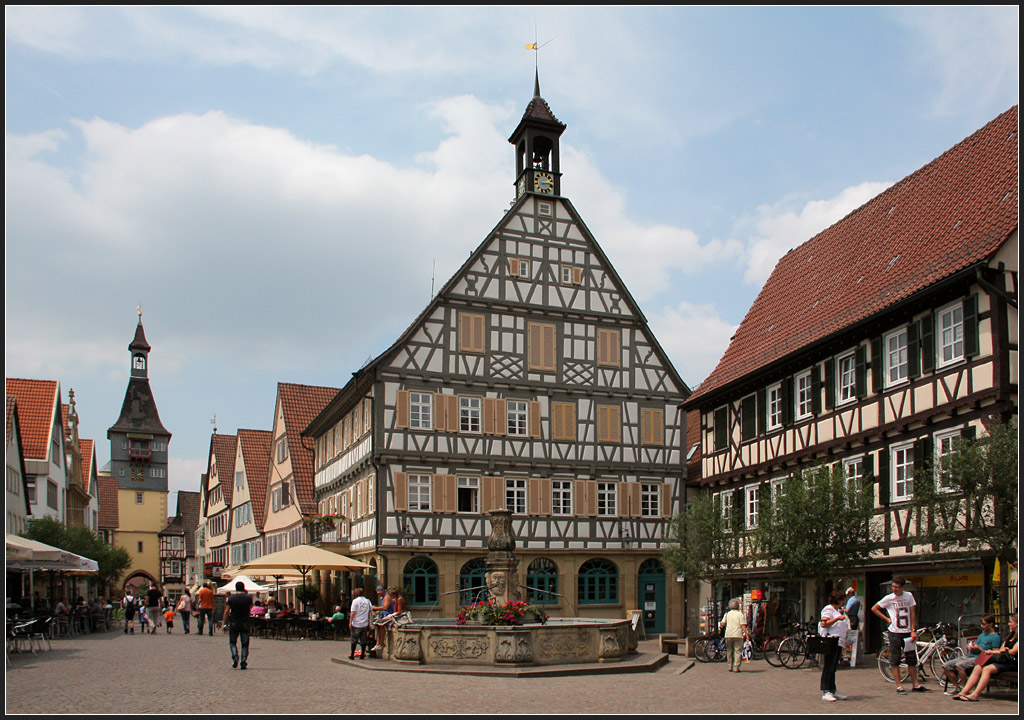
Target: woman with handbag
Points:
(832, 627)
(1003, 659)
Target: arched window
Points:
(139, 362)
(472, 579)
(651, 566)
(420, 574)
(542, 582)
(598, 582)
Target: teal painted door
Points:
(651, 591)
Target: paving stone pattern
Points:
(116, 673)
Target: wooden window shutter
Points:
(563, 421)
(913, 351)
(721, 429)
(513, 267)
(440, 412)
(762, 411)
(581, 497)
(591, 498)
(452, 412)
(877, 365)
(402, 409)
(539, 496)
(923, 451)
(541, 351)
(666, 500)
(748, 418)
(493, 493)
(927, 333)
(577, 276)
(534, 420)
(609, 347)
(883, 477)
(633, 492)
(816, 390)
(860, 371)
(471, 332)
(609, 424)
(652, 426)
(969, 432)
(972, 338)
(787, 401)
(401, 490)
(622, 499)
(490, 420)
(830, 383)
(500, 416)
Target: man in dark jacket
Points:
(237, 609)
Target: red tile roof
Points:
(693, 464)
(38, 400)
(300, 404)
(222, 452)
(255, 446)
(87, 449)
(954, 212)
(108, 513)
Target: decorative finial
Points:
(213, 422)
(536, 61)
(139, 308)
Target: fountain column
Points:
(502, 575)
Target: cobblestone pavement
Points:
(116, 673)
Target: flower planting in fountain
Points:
(513, 613)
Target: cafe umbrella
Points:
(301, 559)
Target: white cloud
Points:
(776, 229)
(694, 336)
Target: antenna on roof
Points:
(433, 273)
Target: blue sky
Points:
(277, 185)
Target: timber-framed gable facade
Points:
(530, 382)
(876, 346)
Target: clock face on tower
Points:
(543, 183)
(138, 474)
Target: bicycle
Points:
(931, 654)
(792, 650)
(770, 650)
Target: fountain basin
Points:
(560, 641)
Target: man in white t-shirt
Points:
(899, 610)
(359, 622)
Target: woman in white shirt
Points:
(832, 626)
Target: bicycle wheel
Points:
(700, 647)
(716, 650)
(942, 656)
(885, 665)
(771, 651)
(757, 648)
(792, 652)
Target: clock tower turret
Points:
(536, 142)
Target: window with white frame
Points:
(650, 499)
(239, 479)
(945, 446)
(421, 406)
(853, 472)
(469, 414)
(515, 495)
(516, 411)
(774, 402)
(468, 492)
(753, 501)
(896, 359)
(419, 492)
(561, 497)
(804, 397)
(607, 494)
(903, 472)
(778, 490)
(846, 378)
(725, 502)
(282, 450)
(951, 334)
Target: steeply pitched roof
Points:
(14, 423)
(38, 400)
(87, 449)
(300, 404)
(255, 446)
(951, 214)
(138, 412)
(222, 451)
(108, 513)
(188, 512)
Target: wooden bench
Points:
(671, 645)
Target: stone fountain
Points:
(557, 642)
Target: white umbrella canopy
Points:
(301, 559)
(25, 554)
(250, 585)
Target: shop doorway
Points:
(651, 593)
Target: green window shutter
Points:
(830, 383)
(877, 379)
(816, 390)
(913, 351)
(748, 418)
(861, 373)
(969, 432)
(972, 342)
(927, 341)
(883, 477)
(787, 401)
(762, 412)
(721, 428)
(923, 458)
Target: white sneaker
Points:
(829, 697)
(837, 696)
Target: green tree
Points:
(112, 561)
(47, 530)
(817, 525)
(700, 543)
(973, 502)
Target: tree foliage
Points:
(112, 561)
(817, 525)
(700, 543)
(973, 502)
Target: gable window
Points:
(804, 396)
(607, 494)
(282, 450)
(571, 275)
(541, 353)
(239, 479)
(561, 497)
(951, 334)
(775, 406)
(650, 500)
(421, 407)
(896, 360)
(515, 495)
(753, 495)
(846, 378)
(471, 332)
(903, 472)
(419, 492)
(469, 415)
(468, 494)
(515, 411)
(609, 347)
(519, 268)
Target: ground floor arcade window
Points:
(420, 575)
(598, 582)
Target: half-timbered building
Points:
(530, 382)
(216, 501)
(877, 344)
(248, 496)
